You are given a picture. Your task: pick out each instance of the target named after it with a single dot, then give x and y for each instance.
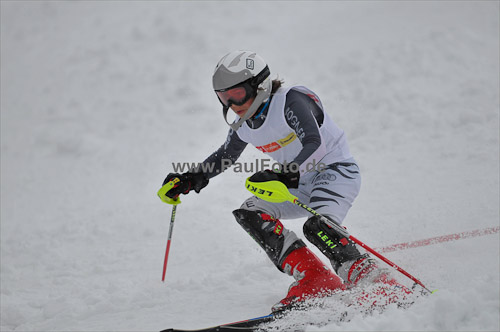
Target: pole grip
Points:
(162, 193)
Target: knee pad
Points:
(336, 247)
(270, 234)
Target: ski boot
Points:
(346, 259)
(312, 279)
(291, 256)
(378, 287)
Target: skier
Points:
(290, 125)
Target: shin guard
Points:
(336, 247)
(270, 234)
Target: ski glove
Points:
(287, 176)
(188, 181)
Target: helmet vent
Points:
(236, 60)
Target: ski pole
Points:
(173, 201)
(277, 192)
(169, 240)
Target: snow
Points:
(99, 98)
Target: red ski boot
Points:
(312, 279)
(358, 271)
(363, 270)
(378, 287)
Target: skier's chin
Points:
(241, 113)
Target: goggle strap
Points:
(261, 76)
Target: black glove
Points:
(288, 176)
(188, 181)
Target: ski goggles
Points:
(237, 95)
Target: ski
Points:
(244, 325)
(367, 300)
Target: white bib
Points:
(276, 139)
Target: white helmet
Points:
(239, 76)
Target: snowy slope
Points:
(99, 98)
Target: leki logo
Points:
(278, 228)
(326, 239)
(259, 191)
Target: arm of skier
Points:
(224, 157)
(304, 117)
(198, 178)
